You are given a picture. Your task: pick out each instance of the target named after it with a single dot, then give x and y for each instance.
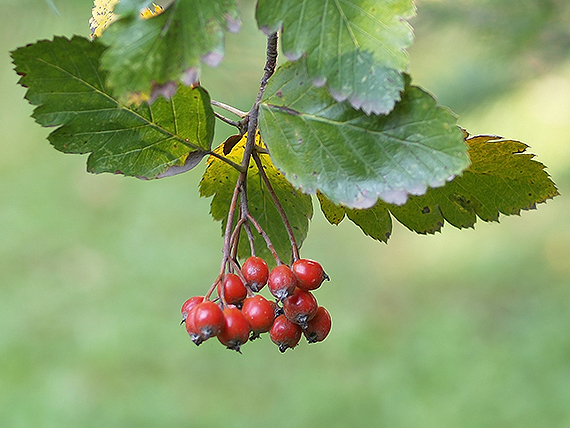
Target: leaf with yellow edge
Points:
(502, 179)
(219, 181)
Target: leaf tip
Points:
(190, 76)
(213, 58)
(233, 24)
(394, 196)
(167, 90)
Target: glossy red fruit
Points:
(234, 291)
(281, 281)
(300, 307)
(319, 326)
(189, 304)
(255, 272)
(190, 328)
(284, 333)
(309, 273)
(260, 313)
(205, 320)
(235, 331)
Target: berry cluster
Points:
(240, 314)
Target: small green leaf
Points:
(502, 179)
(147, 57)
(64, 80)
(352, 158)
(356, 46)
(219, 181)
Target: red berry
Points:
(309, 273)
(233, 291)
(235, 331)
(189, 304)
(284, 333)
(300, 307)
(190, 328)
(206, 320)
(319, 327)
(259, 312)
(255, 272)
(282, 281)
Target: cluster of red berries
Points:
(241, 315)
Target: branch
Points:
(226, 120)
(228, 161)
(229, 108)
(294, 247)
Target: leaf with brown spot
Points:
(502, 179)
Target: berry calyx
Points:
(284, 333)
(255, 272)
(281, 281)
(300, 307)
(205, 320)
(260, 313)
(233, 290)
(310, 274)
(189, 304)
(319, 326)
(235, 331)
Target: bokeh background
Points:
(462, 329)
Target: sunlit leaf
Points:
(65, 82)
(219, 181)
(502, 179)
(352, 158)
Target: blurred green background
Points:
(462, 329)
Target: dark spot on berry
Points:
(312, 337)
(426, 210)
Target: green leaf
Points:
(502, 179)
(154, 54)
(219, 181)
(353, 158)
(356, 46)
(64, 80)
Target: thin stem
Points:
(213, 287)
(227, 160)
(226, 249)
(265, 237)
(226, 120)
(228, 108)
(250, 238)
(234, 240)
(294, 247)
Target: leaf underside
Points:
(219, 181)
(147, 57)
(357, 47)
(352, 158)
(502, 179)
(65, 82)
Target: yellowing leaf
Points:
(219, 181)
(147, 12)
(502, 179)
(102, 17)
